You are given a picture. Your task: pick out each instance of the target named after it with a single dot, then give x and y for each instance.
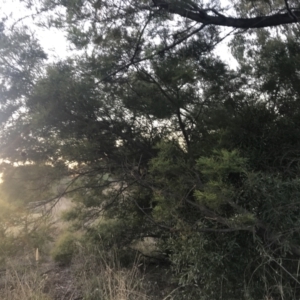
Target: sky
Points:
(54, 42)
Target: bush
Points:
(65, 248)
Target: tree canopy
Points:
(160, 137)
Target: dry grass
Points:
(91, 276)
(102, 277)
(22, 283)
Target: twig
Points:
(293, 16)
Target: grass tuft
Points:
(22, 283)
(101, 276)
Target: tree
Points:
(133, 24)
(163, 139)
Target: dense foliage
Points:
(159, 137)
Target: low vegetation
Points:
(81, 270)
(22, 282)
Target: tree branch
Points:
(201, 16)
(134, 62)
(292, 15)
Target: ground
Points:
(60, 282)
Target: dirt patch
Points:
(60, 283)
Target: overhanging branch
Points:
(201, 16)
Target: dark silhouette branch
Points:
(192, 12)
(292, 15)
(149, 57)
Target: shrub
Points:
(65, 248)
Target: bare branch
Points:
(201, 16)
(133, 62)
(293, 16)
